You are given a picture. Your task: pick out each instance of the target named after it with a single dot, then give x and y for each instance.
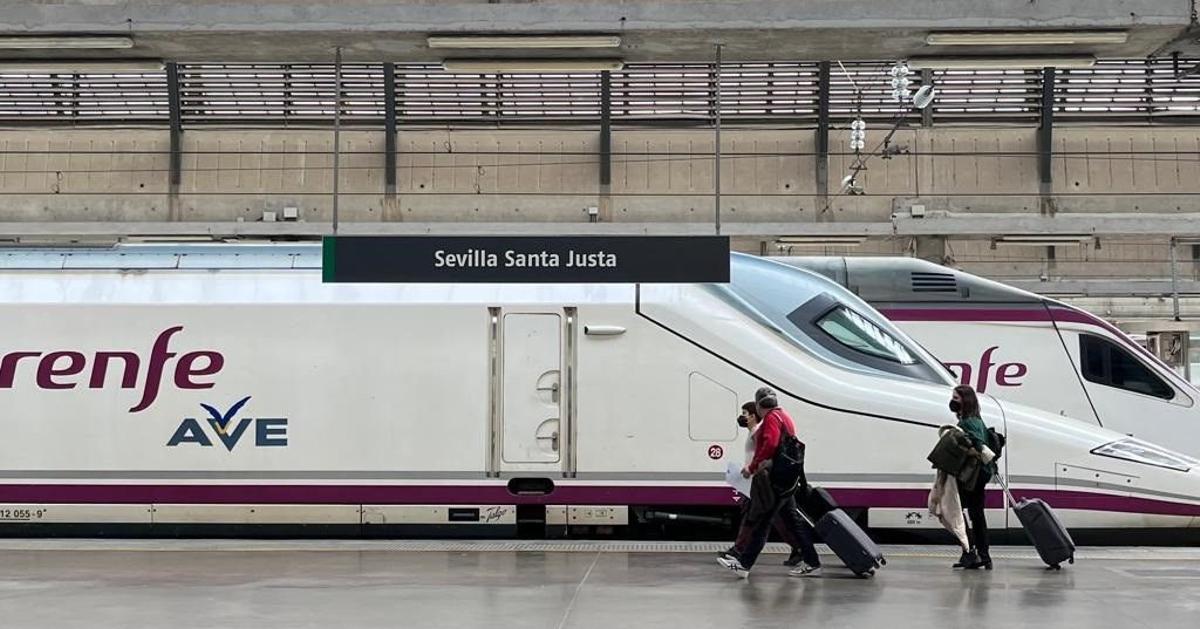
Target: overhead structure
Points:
(637, 30)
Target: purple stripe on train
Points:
(562, 494)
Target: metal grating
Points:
(1147, 91)
(688, 91)
(83, 98)
(1125, 90)
(282, 93)
(426, 93)
(979, 96)
(865, 85)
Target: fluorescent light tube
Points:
(1025, 38)
(477, 66)
(32, 42)
(1000, 63)
(79, 66)
(821, 241)
(524, 41)
(1046, 240)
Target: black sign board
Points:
(526, 259)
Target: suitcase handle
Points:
(1012, 502)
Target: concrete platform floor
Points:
(182, 584)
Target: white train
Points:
(1027, 348)
(186, 388)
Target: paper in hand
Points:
(733, 476)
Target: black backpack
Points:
(996, 442)
(787, 466)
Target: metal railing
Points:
(1145, 91)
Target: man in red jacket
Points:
(768, 502)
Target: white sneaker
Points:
(805, 570)
(736, 566)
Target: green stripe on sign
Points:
(328, 247)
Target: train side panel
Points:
(322, 388)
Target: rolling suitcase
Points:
(1051, 539)
(850, 543)
(816, 502)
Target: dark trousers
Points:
(767, 509)
(972, 501)
(790, 537)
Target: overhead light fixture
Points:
(1044, 240)
(167, 238)
(39, 42)
(524, 41)
(821, 241)
(1001, 63)
(1025, 38)
(477, 66)
(78, 66)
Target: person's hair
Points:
(752, 408)
(765, 398)
(970, 403)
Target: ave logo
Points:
(230, 430)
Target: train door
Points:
(531, 432)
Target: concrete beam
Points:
(965, 226)
(107, 230)
(1104, 287)
(1184, 225)
(663, 30)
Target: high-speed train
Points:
(184, 389)
(1026, 348)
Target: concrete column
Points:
(822, 140)
(930, 248)
(605, 206)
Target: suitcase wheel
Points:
(1071, 560)
(1054, 567)
(882, 561)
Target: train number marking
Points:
(715, 452)
(21, 515)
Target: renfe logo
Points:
(55, 369)
(1007, 374)
(268, 431)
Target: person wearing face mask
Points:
(771, 498)
(750, 420)
(965, 405)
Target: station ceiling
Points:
(650, 30)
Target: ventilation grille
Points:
(934, 283)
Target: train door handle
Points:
(553, 440)
(553, 389)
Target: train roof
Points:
(888, 280)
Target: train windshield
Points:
(822, 318)
(857, 332)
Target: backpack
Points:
(787, 466)
(996, 441)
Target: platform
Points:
(265, 584)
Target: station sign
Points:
(525, 259)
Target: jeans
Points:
(972, 500)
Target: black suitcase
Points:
(1051, 539)
(816, 502)
(850, 543)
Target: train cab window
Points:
(822, 318)
(1106, 363)
(856, 332)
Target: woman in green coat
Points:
(965, 405)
